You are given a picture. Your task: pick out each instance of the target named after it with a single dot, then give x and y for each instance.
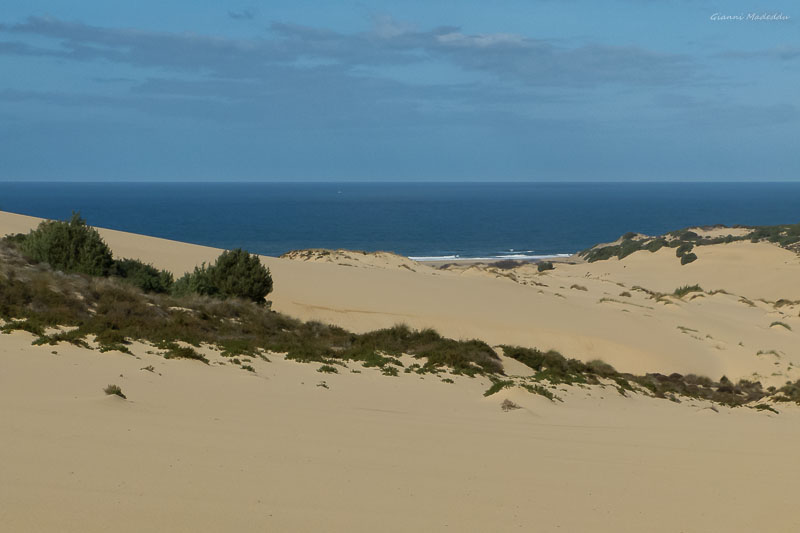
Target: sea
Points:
(426, 221)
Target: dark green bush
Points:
(544, 265)
(688, 258)
(656, 244)
(235, 273)
(69, 246)
(139, 274)
(684, 249)
(507, 264)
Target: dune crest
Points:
(355, 258)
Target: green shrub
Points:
(656, 244)
(507, 264)
(175, 351)
(147, 277)
(389, 371)
(688, 258)
(684, 249)
(235, 273)
(69, 246)
(544, 265)
(328, 369)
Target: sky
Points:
(418, 90)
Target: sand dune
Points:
(213, 447)
(356, 259)
(709, 335)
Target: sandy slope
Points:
(711, 335)
(216, 448)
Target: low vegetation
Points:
(497, 386)
(112, 312)
(553, 367)
(508, 405)
(684, 241)
(175, 351)
(114, 390)
(680, 292)
(540, 390)
(508, 264)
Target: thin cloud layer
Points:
(529, 61)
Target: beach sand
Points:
(209, 447)
(212, 448)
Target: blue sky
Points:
(430, 90)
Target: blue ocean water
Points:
(429, 220)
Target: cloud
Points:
(315, 78)
(244, 14)
(21, 49)
(785, 52)
(529, 61)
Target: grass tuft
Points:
(497, 386)
(680, 292)
(114, 390)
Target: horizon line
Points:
(379, 182)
